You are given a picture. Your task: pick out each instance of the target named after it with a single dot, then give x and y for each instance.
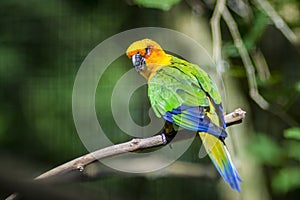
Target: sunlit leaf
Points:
(286, 179)
(292, 133)
(158, 4)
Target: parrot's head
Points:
(147, 57)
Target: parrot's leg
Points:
(170, 130)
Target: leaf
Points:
(158, 4)
(266, 150)
(292, 133)
(286, 179)
(292, 149)
(297, 86)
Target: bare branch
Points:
(233, 28)
(277, 20)
(261, 65)
(80, 162)
(250, 70)
(134, 145)
(217, 41)
(235, 116)
(216, 31)
(13, 196)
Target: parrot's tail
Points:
(219, 155)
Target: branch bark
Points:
(216, 31)
(133, 145)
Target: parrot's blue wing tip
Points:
(230, 175)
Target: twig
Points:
(233, 28)
(216, 31)
(235, 116)
(261, 65)
(217, 41)
(134, 145)
(250, 70)
(277, 20)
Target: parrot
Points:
(183, 94)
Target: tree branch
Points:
(233, 28)
(277, 20)
(216, 31)
(250, 70)
(217, 41)
(133, 145)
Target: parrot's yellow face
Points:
(147, 57)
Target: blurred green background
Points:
(42, 45)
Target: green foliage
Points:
(42, 47)
(103, 100)
(292, 149)
(158, 4)
(286, 179)
(297, 86)
(266, 150)
(292, 133)
(292, 144)
(3, 127)
(11, 59)
(258, 26)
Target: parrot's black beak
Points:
(139, 62)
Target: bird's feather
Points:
(220, 157)
(185, 95)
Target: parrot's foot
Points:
(169, 136)
(164, 138)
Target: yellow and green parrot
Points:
(183, 94)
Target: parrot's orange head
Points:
(147, 56)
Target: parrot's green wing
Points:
(181, 83)
(203, 78)
(185, 95)
(170, 88)
(182, 93)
